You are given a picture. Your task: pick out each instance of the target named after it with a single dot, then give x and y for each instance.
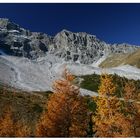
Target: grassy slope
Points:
(114, 60)
(134, 59)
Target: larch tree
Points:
(132, 106)
(10, 128)
(67, 113)
(130, 91)
(109, 121)
(21, 129)
(6, 123)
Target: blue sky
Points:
(113, 23)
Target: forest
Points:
(115, 112)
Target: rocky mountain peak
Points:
(18, 41)
(4, 22)
(65, 31)
(78, 47)
(7, 24)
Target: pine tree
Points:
(109, 121)
(67, 114)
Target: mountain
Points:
(33, 60)
(76, 47)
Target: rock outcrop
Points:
(20, 42)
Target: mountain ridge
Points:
(78, 47)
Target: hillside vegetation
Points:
(65, 113)
(92, 82)
(26, 107)
(115, 60)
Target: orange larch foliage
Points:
(130, 91)
(6, 124)
(67, 114)
(21, 129)
(132, 106)
(109, 121)
(9, 128)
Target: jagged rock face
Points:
(76, 47)
(84, 48)
(20, 42)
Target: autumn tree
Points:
(21, 129)
(6, 123)
(130, 91)
(109, 121)
(132, 105)
(11, 128)
(67, 113)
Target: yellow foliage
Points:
(132, 105)
(108, 121)
(107, 88)
(130, 91)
